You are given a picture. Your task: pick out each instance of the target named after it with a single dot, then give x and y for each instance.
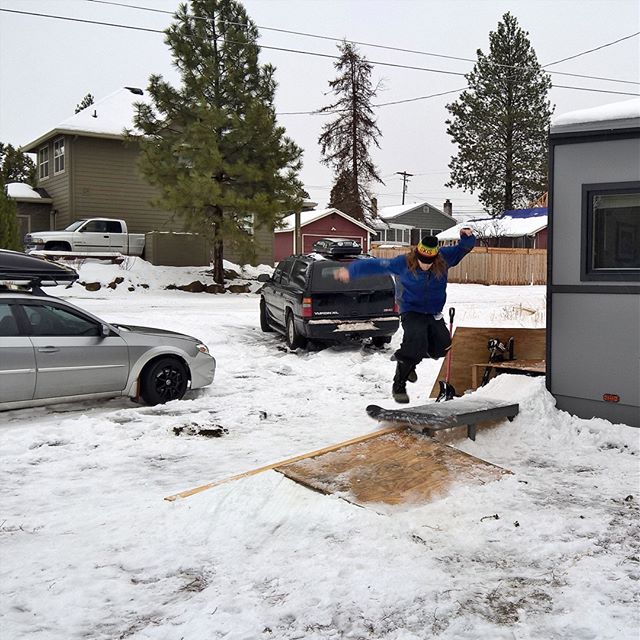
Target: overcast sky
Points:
(48, 65)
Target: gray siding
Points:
(57, 186)
(594, 350)
(575, 165)
(263, 239)
(424, 217)
(107, 182)
(593, 339)
(39, 215)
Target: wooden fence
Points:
(491, 265)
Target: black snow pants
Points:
(424, 337)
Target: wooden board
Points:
(395, 468)
(470, 348)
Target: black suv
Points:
(304, 301)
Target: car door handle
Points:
(48, 349)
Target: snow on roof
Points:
(505, 226)
(107, 118)
(306, 217)
(391, 212)
(615, 115)
(22, 191)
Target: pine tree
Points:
(84, 103)
(345, 141)
(213, 146)
(9, 228)
(16, 166)
(500, 123)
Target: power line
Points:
(302, 52)
(298, 33)
(608, 44)
(390, 48)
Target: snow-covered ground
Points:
(90, 549)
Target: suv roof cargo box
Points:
(337, 247)
(18, 267)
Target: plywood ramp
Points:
(396, 468)
(470, 347)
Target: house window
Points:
(611, 232)
(58, 156)
(43, 162)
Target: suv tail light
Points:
(396, 308)
(307, 308)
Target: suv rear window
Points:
(322, 279)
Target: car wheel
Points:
(264, 321)
(164, 380)
(380, 341)
(294, 339)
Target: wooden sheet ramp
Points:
(404, 467)
(436, 416)
(393, 465)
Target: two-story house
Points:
(88, 169)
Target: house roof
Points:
(24, 193)
(617, 115)
(387, 213)
(107, 118)
(512, 224)
(307, 217)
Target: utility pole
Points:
(404, 175)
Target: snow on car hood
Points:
(153, 331)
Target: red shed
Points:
(323, 223)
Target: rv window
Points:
(612, 234)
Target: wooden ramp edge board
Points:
(401, 468)
(318, 452)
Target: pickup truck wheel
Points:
(264, 320)
(164, 380)
(293, 338)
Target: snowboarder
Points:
(421, 291)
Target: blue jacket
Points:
(420, 291)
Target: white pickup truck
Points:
(92, 235)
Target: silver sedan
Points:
(52, 351)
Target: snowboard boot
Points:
(413, 376)
(399, 389)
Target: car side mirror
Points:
(105, 330)
(264, 277)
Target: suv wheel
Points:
(293, 338)
(264, 321)
(164, 380)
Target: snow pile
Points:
(89, 548)
(134, 274)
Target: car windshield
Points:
(323, 279)
(74, 225)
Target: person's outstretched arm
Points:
(454, 254)
(370, 267)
